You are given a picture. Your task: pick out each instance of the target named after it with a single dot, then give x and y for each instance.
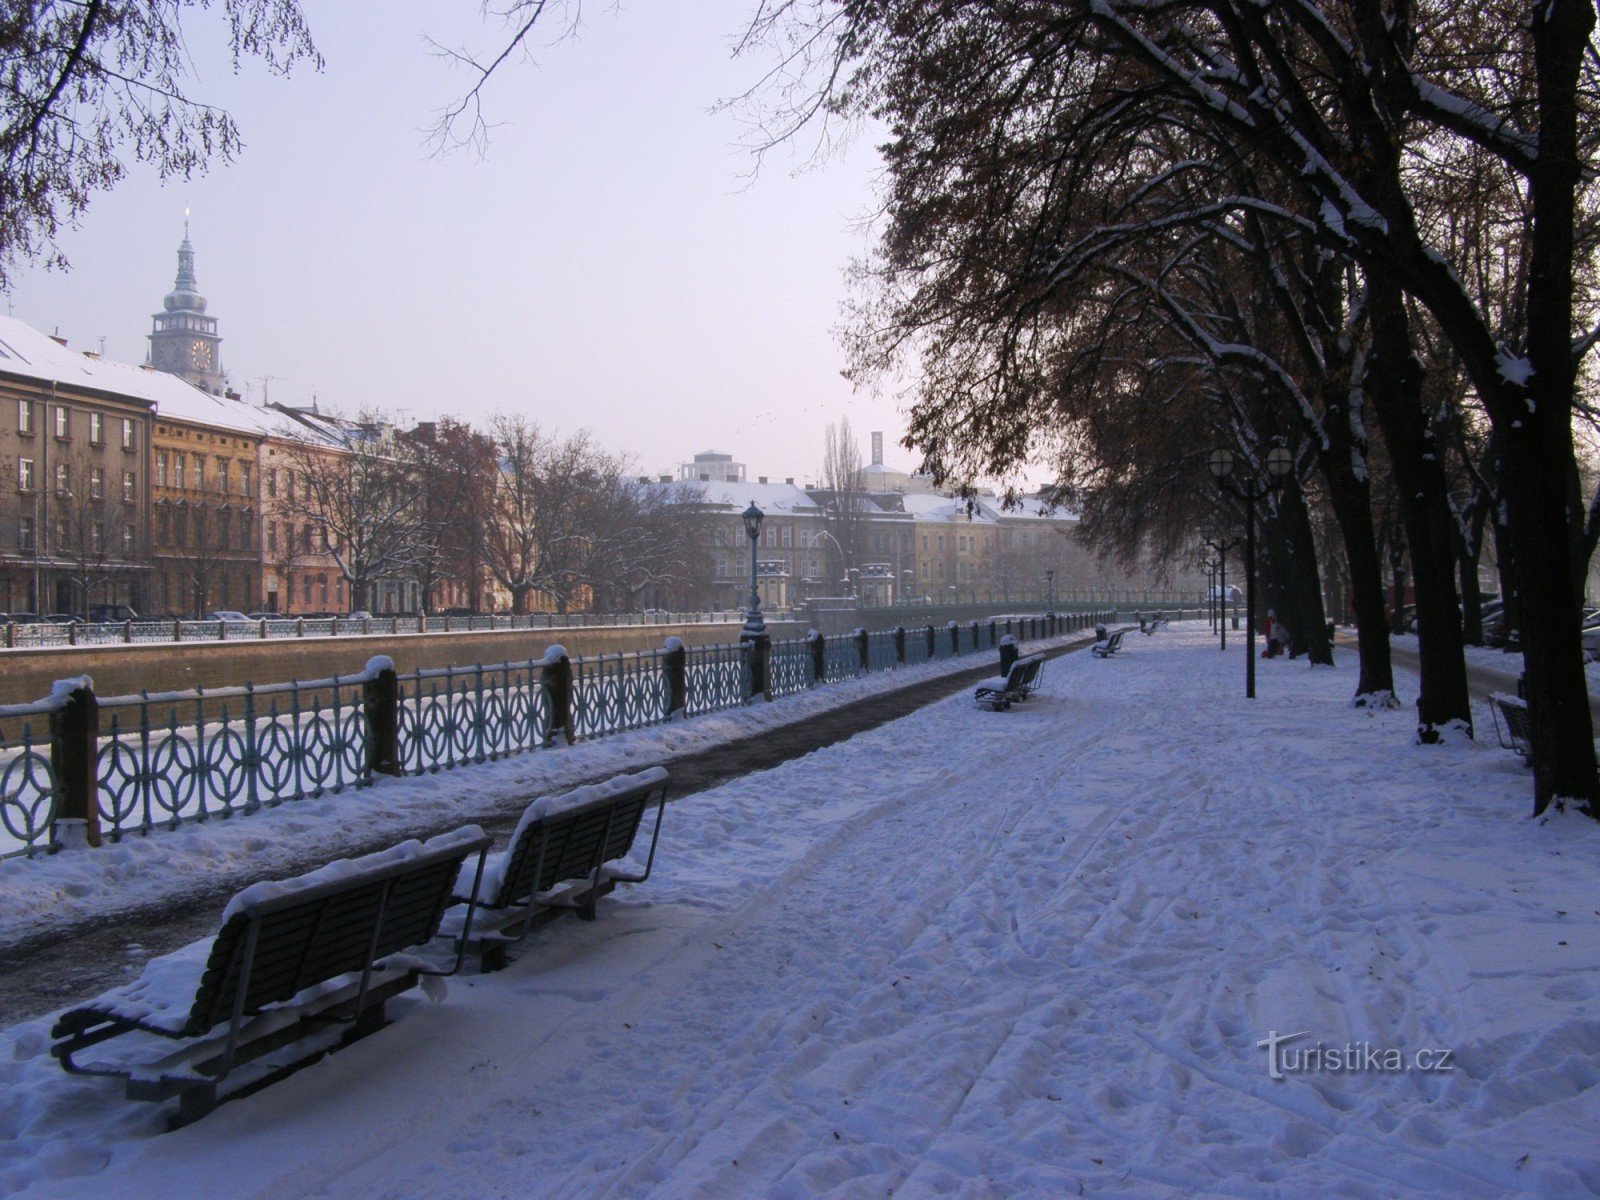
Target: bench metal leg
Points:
(193, 1103)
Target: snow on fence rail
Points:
(76, 766)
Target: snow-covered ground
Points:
(1031, 953)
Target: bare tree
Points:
(844, 501)
(361, 497)
(86, 85)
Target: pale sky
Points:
(608, 265)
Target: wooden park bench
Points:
(1510, 715)
(557, 860)
(306, 963)
(1108, 646)
(1001, 692)
(1150, 625)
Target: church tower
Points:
(183, 339)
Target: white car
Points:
(229, 616)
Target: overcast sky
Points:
(609, 265)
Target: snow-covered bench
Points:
(557, 859)
(1152, 624)
(1018, 683)
(303, 963)
(1108, 646)
(1511, 726)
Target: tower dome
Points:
(185, 294)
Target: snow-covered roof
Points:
(929, 506)
(771, 498)
(26, 352)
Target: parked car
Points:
(26, 618)
(230, 616)
(62, 619)
(360, 614)
(267, 616)
(111, 614)
(458, 612)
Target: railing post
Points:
(955, 639)
(675, 664)
(863, 648)
(74, 751)
(928, 632)
(263, 629)
(1008, 653)
(994, 636)
(900, 643)
(177, 629)
(759, 648)
(818, 645)
(300, 627)
(556, 679)
(380, 699)
(974, 635)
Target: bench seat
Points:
(305, 962)
(1002, 691)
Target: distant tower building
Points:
(183, 339)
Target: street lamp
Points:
(1249, 489)
(754, 624)
(1222, 545)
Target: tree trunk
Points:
(1350, 496)
(1394, 382)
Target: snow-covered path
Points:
(983, 954)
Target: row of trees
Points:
(542, 515)
(1119, 234)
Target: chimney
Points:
(877, 448)
(790, 481)
(58, 339)
(761, 478)
(92, 354)
(644, 479)
(666, 479)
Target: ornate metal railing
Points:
(615, 692)
(718, 678)
(454, 716)
(172, 757)
(789, 667)
(132, 764)
(27, 780)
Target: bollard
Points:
(863, 649)
(955, 638)
(900, 643)
(759, 647)
(74, 744)
(380, 701)
(818, 645)
(556, 679)
(675, 665)
(1008, 653)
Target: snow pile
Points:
(1136, 937)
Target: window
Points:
(199, 472)
(180, 526)
(786, 536)
(161, 469)
(244, 479)
(62, 542)
(222, 475)
(24, 416)
(128, 442)
(305, 588)
(272, 538)
(130, 486)
(62, 423)
(164, 525)
(25, 482)
(63, 479)
(177, 471)
(97, 428)
(97, 483)
(272, 482)
(25, 537)
(97, 538)
(772, 535)
(305, 541)
(127, 541)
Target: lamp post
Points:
(1049, 591)
(1249, 489)
(1222, 545)
(755, 625)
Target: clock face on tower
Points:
(200, 356)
